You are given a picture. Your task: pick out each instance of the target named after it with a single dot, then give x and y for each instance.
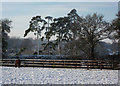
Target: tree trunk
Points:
(75, 45)
(59, 45)
(119, 46)
(59, 49)
(92, 52)
(38, 43)
(48, 47)
(48, 40)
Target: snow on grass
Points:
(0, 75)
(11, 75)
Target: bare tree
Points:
(93, 29)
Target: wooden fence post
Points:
(115, 64)
(64, 63)
(100, 65)
(87, 65)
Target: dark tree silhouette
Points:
(37, 25)
(94, 29)
(61, 30)
(49, 18)
(116, 28)
(6, 25)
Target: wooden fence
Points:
(88, 64)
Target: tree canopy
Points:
(116, 26)
(80, 33)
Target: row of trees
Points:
(17, 46)
(75, 33)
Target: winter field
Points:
(11, 75)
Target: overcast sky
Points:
(21, 12)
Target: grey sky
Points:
(21, 12)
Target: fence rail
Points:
(88, 64)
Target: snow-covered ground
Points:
(11, 75)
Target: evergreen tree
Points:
(6, 25)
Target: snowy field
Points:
(11, 75)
